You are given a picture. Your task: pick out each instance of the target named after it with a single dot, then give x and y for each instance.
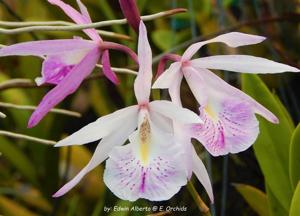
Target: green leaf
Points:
(286, 113)
(273, 144)
(163, 39)
(10, 208)
(294, 157)
(295, 206)
(142, 5)
(99, 206)
(255, 198)
(109, 14)
(15, 96)
(275, 207)
(18, 159)
(98, 93)
(73, 205)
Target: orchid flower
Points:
(66, 62)
(150, 165)
(230, 124)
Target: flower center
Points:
(211, 111)
(186, 63)
(145, 138)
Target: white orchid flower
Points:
(230, 124)
(150, 165)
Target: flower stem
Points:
(16, 16)
(28, 83)
(26, 107)
(62, 23)
(87, 26)
(26, 137)
(292, 17)
(197, 198)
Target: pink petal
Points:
(163, 61)
(142, 84)
(101, 153)
(47, 47)
(77, 17)
(234, 129)
(84, 11)
(230, 124)
(232, 39)
(241, 63)
(115, 46)
(107, 68)
(131, 12)
(218, 84)
(66, 87)
(54, 70)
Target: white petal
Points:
(166, 79)
(174, 112)
(174, 90)
(100, 154)
(232, 39)
(242, 63)
(217, 88)
(102, 127)
(202, 175)
(142, 84)
(196, 83)
(159, 179)
(164, 123)
(183, 138)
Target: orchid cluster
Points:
(159, 158)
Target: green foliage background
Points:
(266, 176)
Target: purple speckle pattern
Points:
(129, 179)
(235, 129)
(54, 70)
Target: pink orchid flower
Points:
(67, 62)
(150, 165)
(230, 124)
